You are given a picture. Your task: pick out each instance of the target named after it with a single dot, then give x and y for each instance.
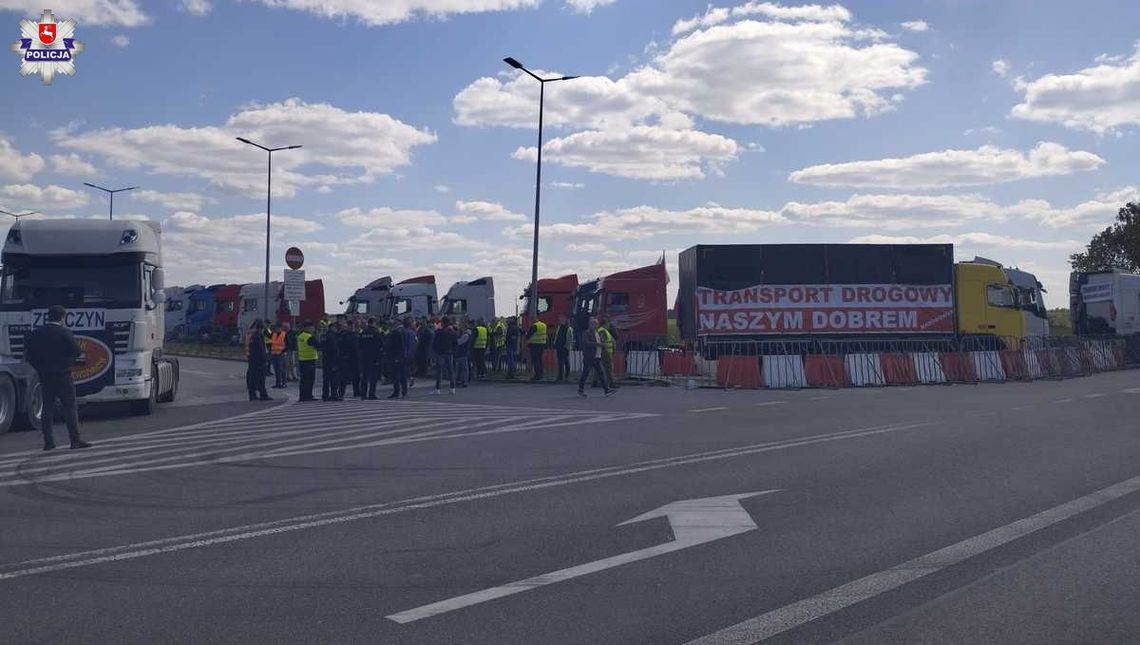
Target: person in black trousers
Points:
(330, 364)
(52, 350)
(256, 359)
(370, 352)
(398, 352)
(349, 347)
(562, 348)
(307, 349)
(592, 349)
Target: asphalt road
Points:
(957, 514)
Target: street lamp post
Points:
(533, 304)
(18, 215)
(268, 204)
(111, 208)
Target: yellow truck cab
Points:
(987, 303)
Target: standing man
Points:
(330, 363)
(463, 355)
(445, 341)
(536, 342)
(370, 352)
(479, 348)
(608, 346)
(290, 353)
(562, 347)
(498, 340)
(52, 351)
(349, 346)
(402, 346)
(513, 337)
(592, 359)
(307, 360)
(277, 356)
(256, 360)
(424, 340)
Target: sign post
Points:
(294, 290)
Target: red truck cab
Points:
(632, 302)
(311, 308)
(555, 299)
(226, 306)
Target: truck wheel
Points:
(32, 418)
(145, 407)
(170, 396)
(7, 404)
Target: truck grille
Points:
(120, 337)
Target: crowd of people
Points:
(357, 356)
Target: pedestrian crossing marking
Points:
(291, 430)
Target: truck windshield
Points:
(453, 307)
(39, 287)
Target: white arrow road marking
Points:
(694, 521)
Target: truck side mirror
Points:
(159, 297)
(158, 280)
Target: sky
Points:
(1005, 127)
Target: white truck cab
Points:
(109, 276)
(474, 300)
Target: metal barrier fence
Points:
(829, 363)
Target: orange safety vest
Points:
(277, 343)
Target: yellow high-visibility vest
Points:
(480, 337)
(607, 340)
(501, 334)
(305, 351)
(539, 337)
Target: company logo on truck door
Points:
(74, 319)
(826, 309)
(94, 360)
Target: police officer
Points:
(498, 342)
(536, 343)
(371, 343)
(257, 357)
(511, 349)
(349, 347)
(307, 345)
(330, 363)
(479, 348)
(52, 350)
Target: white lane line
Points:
(767, 403)
(1134, 390)
(822, 398)
(788, 617)
(250, 531)
(1063, 401)
(716, 409)
(1094, 396)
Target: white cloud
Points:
(173, 201)
(485, 211)
(567, 184)
(1100, 98)
(121, 40)
(440, 188)
(72, 164)
(369, 143)
(1000, 67)
(387, 12)
(390, 218)
(45, 199)
(915, 25)
(973, 240)
(647, 221)
(16, 165)
(586, 6)
(985, 165)
(196, 7)
(792, 66)
(124, 13)
(639, 152)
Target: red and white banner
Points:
(827, 309)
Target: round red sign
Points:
(294, 258)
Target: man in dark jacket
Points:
(592, 350)
(513, 336)
(256, 359)
(424, 340)
(349, 347)
(444, 350)
(52, 351)
(562, 348)
(330, 363)
(370, 352)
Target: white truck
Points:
(109, 276)
(251, 308)
(474, 300)
(1104, 303)
(368, 301)
(415, 297)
